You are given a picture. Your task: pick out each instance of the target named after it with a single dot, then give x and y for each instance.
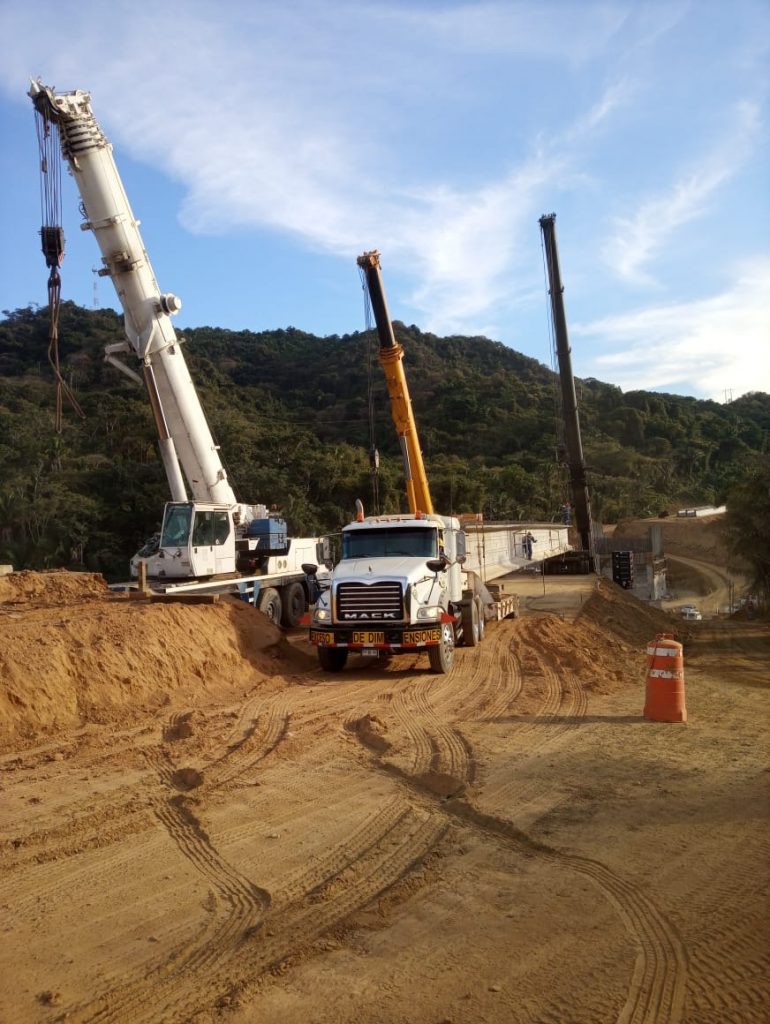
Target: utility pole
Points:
(95, 272)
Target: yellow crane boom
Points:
(391, 358)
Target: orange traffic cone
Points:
(665, 681)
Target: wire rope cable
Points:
(52, 244)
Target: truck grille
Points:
(370, 602)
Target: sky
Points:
(265, 145)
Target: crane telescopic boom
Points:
(211, 535)
(575, 461)
(391, 358)
(184, 433)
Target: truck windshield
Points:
(176, 526)
(404, 540)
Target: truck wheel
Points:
(482, 622)
(471, 632)
(332, 659)
(442, 656)
(294, 604)
(269, 604)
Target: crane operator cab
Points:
(197, 539)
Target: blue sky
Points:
(265, 145)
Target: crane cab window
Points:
(211, 529)
(176, 526)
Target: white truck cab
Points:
(399, 587)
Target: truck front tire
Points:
(442, 656)
(332, 659)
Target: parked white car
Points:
(690, 612)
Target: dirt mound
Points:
(74, 654)
(57, 586)
(625, 617)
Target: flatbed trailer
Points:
(502, 605)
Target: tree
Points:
(746, 524)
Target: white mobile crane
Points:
(209, 534)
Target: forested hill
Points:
(291, 414)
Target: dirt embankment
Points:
(74, 653)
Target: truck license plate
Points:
(323, 639)
(422, 636)
(367, 637)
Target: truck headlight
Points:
(431, 611)
(321, 615)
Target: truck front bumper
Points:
(388, 638)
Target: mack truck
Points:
(208, 539)
(400, 586)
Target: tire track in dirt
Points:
(103, 820)
(290, 929)
(730, 958)
(342, 881)
(237, 906)
(490, 681)
(657, 987)
(370, 833)
(235, 951)
(22, 893)
(260, 740)
(563, 703)
(450, 752)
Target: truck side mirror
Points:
(437, 564)
(309, 569)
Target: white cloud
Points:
(638, 239)
(312, 120)
(275, 145)
(708, 347)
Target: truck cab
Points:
(398, 588)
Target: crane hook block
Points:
(52, 244)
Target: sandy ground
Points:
(200, 826)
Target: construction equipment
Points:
(573, 444)
(400, 586)
(210, 534)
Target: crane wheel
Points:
(269, 603)
(294, 604)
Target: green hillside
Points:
(291, 414)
